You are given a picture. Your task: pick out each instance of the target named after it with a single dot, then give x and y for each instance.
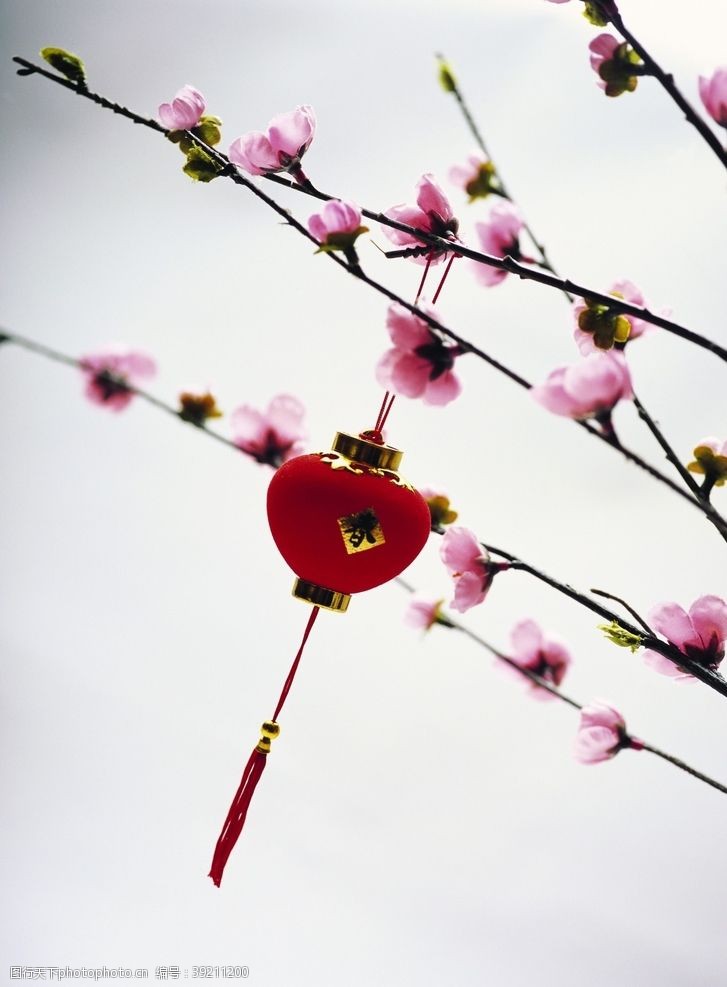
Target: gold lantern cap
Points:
(360, 449)
(320, 596)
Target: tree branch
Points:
(544, 684)
(505, 264)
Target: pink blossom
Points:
(545, 655)
(469, 565)
(111, 372)
(714, 95)
(431, 214)
(185, 110)
(602, 734)
(625, 290)
(337, 224)
(499, 237)
(587, 389)
(478, 177)
(462, 175)
(559, 1)
(615, 64)
(423, 614)
(602, 49)
(420, 363)
(288, 137)
(699, 634)
(273, 436)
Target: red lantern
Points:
(344, 521)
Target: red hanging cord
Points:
(444, 278)
(386, 413)
(377, 426)
(424, 276)
(253, 772)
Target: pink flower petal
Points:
(421, 614)
(317, 226)
(602, 48)
(599, 381)
(385, 367)
(527, 639)
(462, 175)
(431, 198)
(708, 616)
(628, 290)
(658, 663)
(338, 217)
(713, 92)
(285, 416)
(601, 714)
(442, 389)
(469, 591)
(461, 551)
(185, 110)
(293, 132)
(248, 426)
(410, 374)
(557, 657)
(595, 744)
(501, 230)
(673, 622)
(136, 365)
(553, 396)
(487, 276)
(407, 331)
(254, 154)
(409, 216)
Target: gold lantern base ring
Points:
(319, 596)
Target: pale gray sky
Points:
(422, 820)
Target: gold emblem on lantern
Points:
(361, 531)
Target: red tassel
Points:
(236, 816)
(253, 773)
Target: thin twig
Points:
(627, 606)
(508, 264)
(469, 119)
(709, 509)
(542, 683)
(70, 361)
